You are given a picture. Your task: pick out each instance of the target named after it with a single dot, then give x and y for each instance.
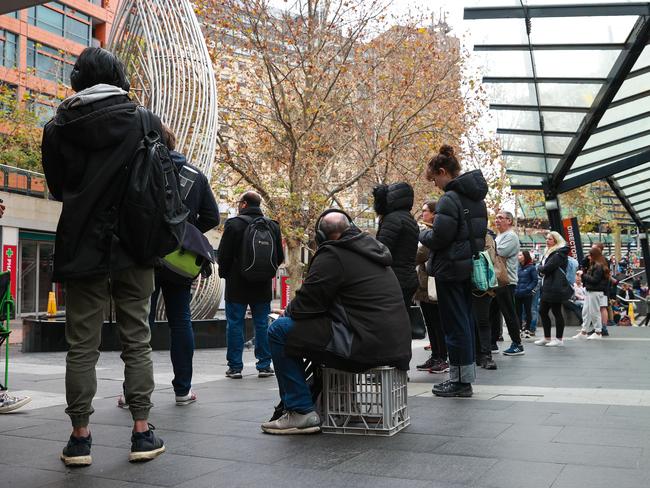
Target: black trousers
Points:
(481, 308)
(495, 321)
(505, 297)
(434, 329)
(524, 306)
(556, 308)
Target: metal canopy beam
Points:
(587, 10)
(549, 47)
(614, 142)
(619, 123)
(530, 154)
(640, 202)
(555, 79)
(518, 172)
(603, 162)
(626, 203)
(534, 132)
(604, 172)
(635, 44)
(526, 187)
(535, 108)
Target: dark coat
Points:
(238, 289)
(451, 259)
(555, 286)
(398, 231)
(595, 279)
(84, 151)
(527, 279)
(351, 289)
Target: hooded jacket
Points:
(451, 259)
(527, 280)
(555, 286)
(595, 279)
(85, 148)
(398, 230)
(349, 313)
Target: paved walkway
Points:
(562, 418)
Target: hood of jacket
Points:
(397, 196)
(178, 159)
(95, 118)
(471, 184)
(564, 250)
(363, 244)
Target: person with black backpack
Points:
(249, 254)
(91, 149)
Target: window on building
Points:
(13, 15)
(49, 63)
(63, 21)
(44, 106)
(7, 49)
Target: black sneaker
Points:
(453, 389)
(427, 365)
(234, 373)
(77, 451)
(488, 363)
(145, 446)
(264, 372)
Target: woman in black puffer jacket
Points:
(451, 262)
(398, 231)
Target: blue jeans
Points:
(290, 372)
(181, 336)
(535, 310)
(235, 317)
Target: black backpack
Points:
(258, 258)
(151, 219)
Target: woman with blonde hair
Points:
(555, 288)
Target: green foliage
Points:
(20, 134)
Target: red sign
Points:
(284, 289)
(10, 263)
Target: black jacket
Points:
(555, 286)
(349, 313)
(398, 230)
(238, 289)
(594, 278)
(451, 259)
(84, 151)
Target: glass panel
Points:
(515, 119)
(633, 86)
(568, 94)
(498, 31)
(510, 142)
(511, 93)
(567, 30)
(628, 180)
(529, 163)
(28, 270)
(525, 180)
(624, 111)
(634, 170)
(556, 145)
(581, 64)
(77, 31)
(640, 187)
(644, 59)
(45, 263)
(505, 63)
(562, 121)
(7, 49)
(612, 151)
(48, 19)
(617, 133)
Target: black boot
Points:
(488, 363)
(452, 389)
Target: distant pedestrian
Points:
(524, 291)
(481, 304)
(249, 280)
(596, 281)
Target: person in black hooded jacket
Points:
(451, 262)
(398, 231)
(85, 148)
(348, 314)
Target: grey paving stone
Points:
(531, 432)
(601, 477)
(18, 420)
(19, 476)
(518, 474)
(321, 457)
(599, 436)
(550, 452)
(75, 480)
(424, 466)
(466, 427)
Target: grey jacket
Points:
(508, 247)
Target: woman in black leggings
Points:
(555, 288)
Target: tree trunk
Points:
(294, 266)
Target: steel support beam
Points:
(535, 108)
(645, 249)
(549, 47)
(570, 10)
(635, 44)
(547, 79)
(625, 202)
(533, 132)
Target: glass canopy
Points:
(569, 88)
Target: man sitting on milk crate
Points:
(349, 314)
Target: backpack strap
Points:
(464, 212)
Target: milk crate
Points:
(369, 403)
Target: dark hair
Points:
(597, 258)
(380, 196)
(168, 137)
(252, 199)
(445, 159)
(527, 257)
(96, 65)
(431, 205)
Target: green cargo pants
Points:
(86, 302)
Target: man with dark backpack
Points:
(249, 254)
(87, 151)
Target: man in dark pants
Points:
(85, 147)
(241, 293)
(508, 248)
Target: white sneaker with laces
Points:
(186, 399)
(9, 403)
(555, 343)
(542, 342)
(580, 335)
(595, 335)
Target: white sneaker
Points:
(580, 335)
(542, 342)
(595, 335)
(555, 343)
(9, 403)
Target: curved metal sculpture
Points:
(171, 73)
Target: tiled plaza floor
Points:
(570, 417)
